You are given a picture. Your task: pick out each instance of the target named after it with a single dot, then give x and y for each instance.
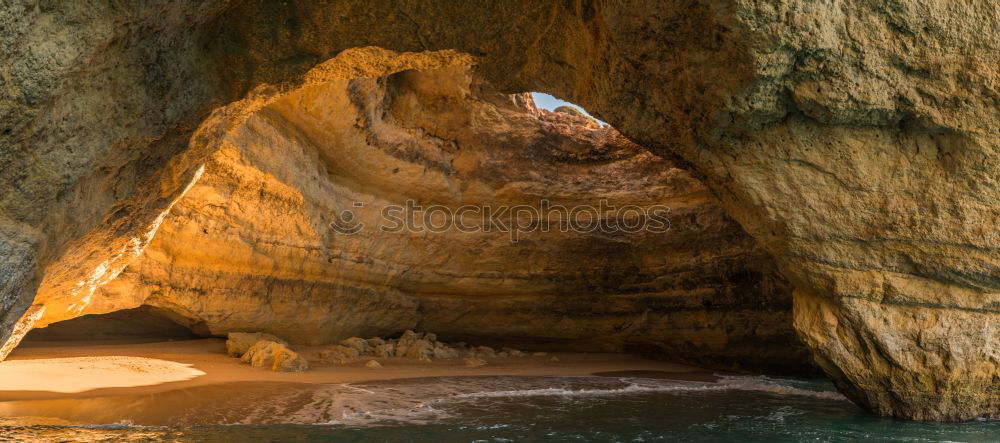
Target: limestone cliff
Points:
(854, 140)
(254, 245)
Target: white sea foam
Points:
(421, 400)
(742, 383)
(776, 386)
(543, 392)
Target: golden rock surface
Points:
(856, 142)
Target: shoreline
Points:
(226, 378)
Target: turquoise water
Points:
(500, 409)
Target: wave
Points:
(741, 383)
(420, 400)
(427, 400)
(779, 386)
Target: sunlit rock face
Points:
(254, 245)
(854, 140)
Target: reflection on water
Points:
(488, 408)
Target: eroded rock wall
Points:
(855, 140)
(97, 107)
(252, 246)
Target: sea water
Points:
(502, 409)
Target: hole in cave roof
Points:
(551, 103)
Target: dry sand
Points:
(79, 374)
(162, 382)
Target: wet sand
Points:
(228, 389)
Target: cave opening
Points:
(144, 324)
(549, 102)
(866, 171)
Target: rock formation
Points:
(414, 346)
(854, 140)
(274, 356)
(238, 343)
(254, 245)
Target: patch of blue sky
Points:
(548, 102)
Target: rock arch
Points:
(260, 241)
(855, 143)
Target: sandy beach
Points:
(195, 382)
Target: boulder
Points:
(403, 343)
(274, 356)
(356, 343)
(238, 343)
(385, 350)
(340, 354)
(443, 352)
(419, 349)
(482, 351)
(409, 336)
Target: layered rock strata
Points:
(855, 140)
(256, 244)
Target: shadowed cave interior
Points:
(254, 245)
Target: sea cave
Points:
(365, 212)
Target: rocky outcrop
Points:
(238, 343)
(591, 121)
(856, 141)
(411, 345)
(274, 356)
(257, 243)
